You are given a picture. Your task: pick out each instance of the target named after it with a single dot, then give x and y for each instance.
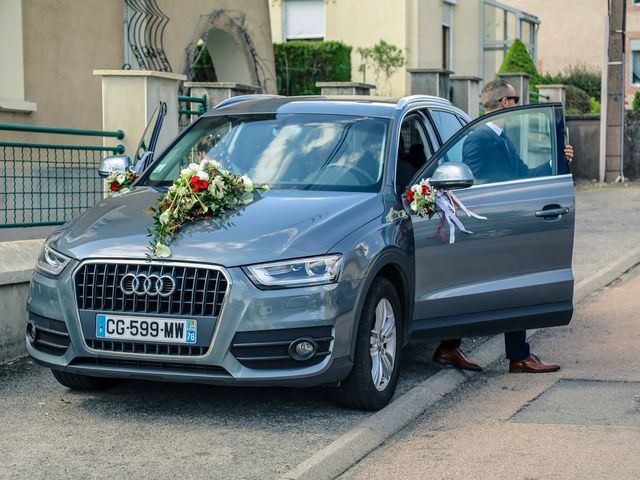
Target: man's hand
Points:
(568, 153)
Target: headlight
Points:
(51, 262)
(297, 273)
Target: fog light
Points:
(31, 331)
(302, 349)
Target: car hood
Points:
(278, 225)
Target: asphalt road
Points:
(166, 430)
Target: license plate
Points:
(120, 327)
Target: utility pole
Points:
(615, 78)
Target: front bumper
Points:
(249, 346)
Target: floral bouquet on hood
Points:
(203, 190)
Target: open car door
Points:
(514, 271)
(149, 140)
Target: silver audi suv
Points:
(324, 278)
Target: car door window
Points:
(446, 123)
(414, 150)
(508, 145)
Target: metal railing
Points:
(535, 97)
(50, 183)
(189, 107)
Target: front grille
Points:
(199, 292)
(146, 347)
(49, 335)
(159, 367)
(268, 349)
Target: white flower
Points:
(194, 167)
(202, 175)
(165, 216)
(248, 184)
(186, 172)
(121, 178)
(162, 251)
(246, 199)
(173, 188)
(216, 187)
(414, 206)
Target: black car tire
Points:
(75, 381)
(358, 389)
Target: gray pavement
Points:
(199, 431)
(579, 423)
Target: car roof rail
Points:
(244, 98)
(404, 101)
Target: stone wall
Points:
(632, 147)
(17, 260)
(584, 135)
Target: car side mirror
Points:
(451, 175)
(116, 162)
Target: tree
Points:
(518, 59)
(384, 58)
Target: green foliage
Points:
(635, 105)
(300, 64)
(518, 59)
(594, 105)
(383, 58)
(585, 79)
(203, 70)
(579, 76)
(578, 101)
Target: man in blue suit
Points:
(492, 157)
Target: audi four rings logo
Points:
(148, 284)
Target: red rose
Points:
(425, 190)
(197, 184)
(114, 186)
(409, 195)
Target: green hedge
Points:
(300, 64)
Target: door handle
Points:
(552, 212)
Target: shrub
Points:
(635, 105)
(300, 64)
(383, 58)
(518, 59)
(578, 101)
(579, 76)
(595, 105)
(203, 69)
(585, 79)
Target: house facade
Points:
(465, 37)
(50, 48)
(572, 33)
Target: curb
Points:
(365, 437)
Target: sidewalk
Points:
(582, 422)
(607, 243)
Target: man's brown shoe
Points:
(531, 364)
(455, 358)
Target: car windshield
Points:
(299, 151)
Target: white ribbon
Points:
(447, 202)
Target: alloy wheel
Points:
(383, 344)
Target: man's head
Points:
(497, 95)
